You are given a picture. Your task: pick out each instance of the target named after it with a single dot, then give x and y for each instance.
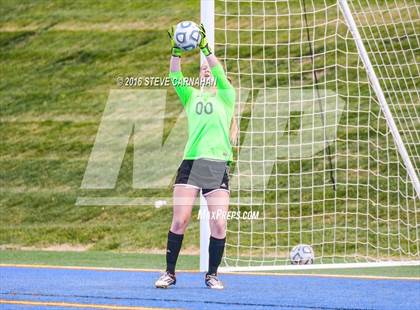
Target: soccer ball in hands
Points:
(302, 254)
(187, 35)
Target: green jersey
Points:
(209, 116)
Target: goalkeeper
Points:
(206, 157)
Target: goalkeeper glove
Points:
(175, 50)
(204, 44)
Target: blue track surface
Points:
(241, 292)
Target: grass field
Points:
(59, 62)
(157, 262)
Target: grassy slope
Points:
(60, 61)
(52, 97)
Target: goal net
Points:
(317, 157)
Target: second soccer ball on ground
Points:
(302, 254)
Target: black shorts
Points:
(205, 174)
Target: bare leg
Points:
(218, 204)
(183, 201)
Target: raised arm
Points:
(222, 82)
(183, 90)
(216, 68)
(176, 52)
(175, 64)
(227, 92)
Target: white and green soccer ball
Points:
(302, 254)
(187, 35)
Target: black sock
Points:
(216, 248)
(172, 250)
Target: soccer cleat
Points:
(165, 280)
(213, 282)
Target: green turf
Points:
(60, 60)
(52, 96)
(157, 261)
(95, 259)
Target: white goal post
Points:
(380, 94)
(207, 18)
(329, 116)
